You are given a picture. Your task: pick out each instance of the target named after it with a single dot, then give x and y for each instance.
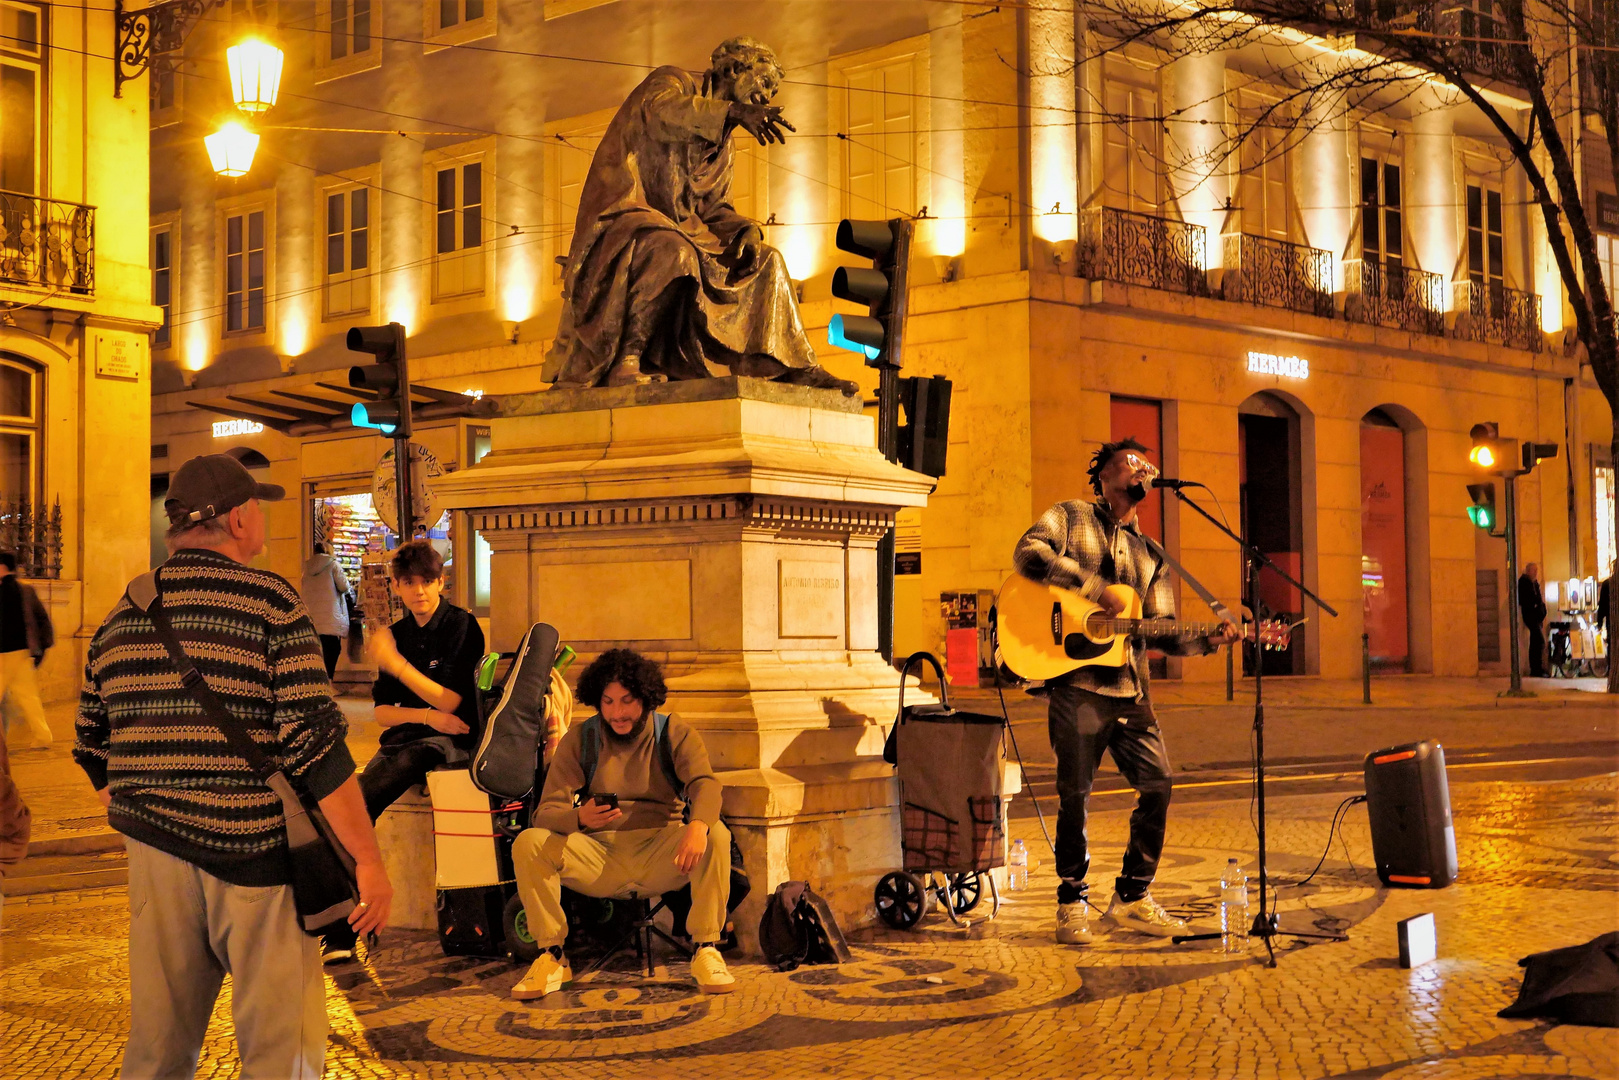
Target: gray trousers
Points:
(187, 931)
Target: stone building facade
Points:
(75, 320)
(1309, 327)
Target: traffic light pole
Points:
(407, 527)
(1512, 585)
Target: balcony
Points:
(1394, 295)
(1276, 273)
(1497, 314)
(1139, 249)
(1477, 37)
(47, 243)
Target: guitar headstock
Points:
(1274, 634)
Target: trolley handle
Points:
(905, 670)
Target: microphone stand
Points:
(1266, 925)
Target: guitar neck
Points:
(1151, 627)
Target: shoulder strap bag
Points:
(324, 887)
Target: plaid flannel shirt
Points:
(1077, 545)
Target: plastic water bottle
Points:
(1233, 908)
(1017, 866)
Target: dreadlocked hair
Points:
(1105, 454)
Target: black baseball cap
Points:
(214, 484)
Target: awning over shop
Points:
(325, 406)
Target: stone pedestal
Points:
(727, 528)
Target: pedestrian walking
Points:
(1532, 607)
(25, 633)
(325, 589)
(209, 871)
(15, 822)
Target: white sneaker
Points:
(1144, 915)
(336, 954)
(1073, 926)
(544, 976)
(708, 968)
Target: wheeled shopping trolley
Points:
(951, 766)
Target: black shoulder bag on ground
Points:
(798, 928)
(324, 887)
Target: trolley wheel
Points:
(966, 890)
(518, 939)
(901, 899)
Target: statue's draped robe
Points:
(655, 215)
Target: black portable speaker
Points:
(1408, 801)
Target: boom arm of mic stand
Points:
(1256, 555)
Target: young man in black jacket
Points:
(427, 669)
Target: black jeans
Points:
(1082, 726)
(1537, 650)
(386, 777)
(331, 647)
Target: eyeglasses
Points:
(1140, 465)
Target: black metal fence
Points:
(1381, 294)
(47, 243)
(1140, 249)
(34, 533)
(1277, 273)
(1494, 313)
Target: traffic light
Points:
(388, 380)
(876, 335)
(925, 435)
(1482, 512)
(1536, 452)
(1490, 452)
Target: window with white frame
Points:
(1382, 228)
(347, 255)
(1131, 171)
(244, 271)
(1608, 256)
(452, 13)
(1486, 238)
(1265, 193)
(22, 82)
(347, 30)
(21, 401)
(882, 123)
(458, 230)
(162, 264)
(451, 22)
(570, 151)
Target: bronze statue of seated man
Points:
(665, 280)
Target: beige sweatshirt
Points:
(633, 773)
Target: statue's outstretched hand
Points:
(763, 122)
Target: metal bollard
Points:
(1230, 674)
(1366, 668)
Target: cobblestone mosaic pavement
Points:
(999, 999)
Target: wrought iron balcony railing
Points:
(1276, 273)
(1497, 314)
(1381, 294)
(47, 243)
(34, 533)
(1475, 34)
(1139, 249)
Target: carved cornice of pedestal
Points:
(774, 516)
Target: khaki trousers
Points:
(187, 931)
(19, 694)
(615, 864)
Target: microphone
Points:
(1174, 485)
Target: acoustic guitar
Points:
(1045, 631)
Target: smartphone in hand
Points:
(605, 798)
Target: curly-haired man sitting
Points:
(644, 836)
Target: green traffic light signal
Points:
(1482, 512)
(1483, 516)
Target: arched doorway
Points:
(1271, 464)
(1393, 544)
